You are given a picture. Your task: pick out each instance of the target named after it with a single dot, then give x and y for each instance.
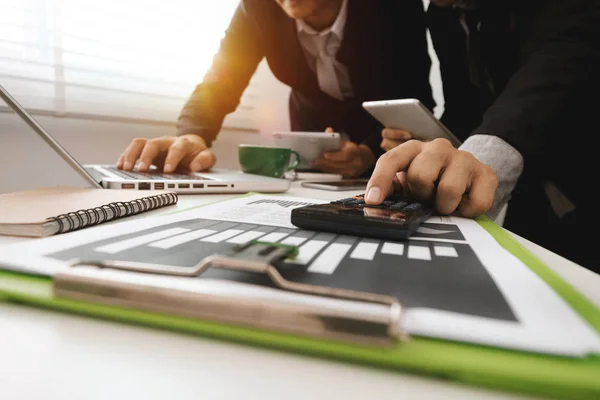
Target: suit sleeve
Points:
(559, 60)
(223, 85)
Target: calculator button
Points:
(413, 207)
(343, 201)
(399, 205)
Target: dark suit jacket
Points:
(384, 49)
(542, 57)
(538, 66)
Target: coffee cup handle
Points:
(296, 162)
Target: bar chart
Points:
(435, 269)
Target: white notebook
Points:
(53, 210)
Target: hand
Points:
(393, 138)
(351, 161)
(435, 170)
(187, 152)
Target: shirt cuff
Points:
(506, 161)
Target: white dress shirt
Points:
(320, 49)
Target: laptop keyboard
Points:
(153, 175)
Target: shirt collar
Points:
(337, 28)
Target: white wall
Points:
(27, 162)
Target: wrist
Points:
(196, 138)
(189, 128)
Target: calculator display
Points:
(362, 211)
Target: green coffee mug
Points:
(267, 161)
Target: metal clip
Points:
(256, 257)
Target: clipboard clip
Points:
(332, 321)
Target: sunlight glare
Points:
(168, 40)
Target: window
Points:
(125, 59)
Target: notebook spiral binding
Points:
(83, 218)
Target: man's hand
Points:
(436, 171)
(393, 138)
(351, 161)
(186, 152)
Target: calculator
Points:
(396, 218)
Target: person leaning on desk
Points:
(334, 54)
(521, 81)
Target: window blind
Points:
(122, 59)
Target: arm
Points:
(561, 55)
(220, 91)
(203, 114)
(556, 68)
(554, 74)
(504, 159)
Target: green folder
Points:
(495, 368)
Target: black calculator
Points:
(396, 218)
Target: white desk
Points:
(52, 355)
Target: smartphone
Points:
(315, 175)
(344, 184)
(309, 145)
(412, 116)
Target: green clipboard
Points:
(482, 366)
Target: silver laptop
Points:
(110, 177)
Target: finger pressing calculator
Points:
(396, 218)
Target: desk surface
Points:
(56, 356)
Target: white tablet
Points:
(310, 145)
(412, 116)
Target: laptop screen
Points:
(27, 159)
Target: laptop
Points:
(110, 177)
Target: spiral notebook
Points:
(53, 210)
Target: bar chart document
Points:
(454, 280)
